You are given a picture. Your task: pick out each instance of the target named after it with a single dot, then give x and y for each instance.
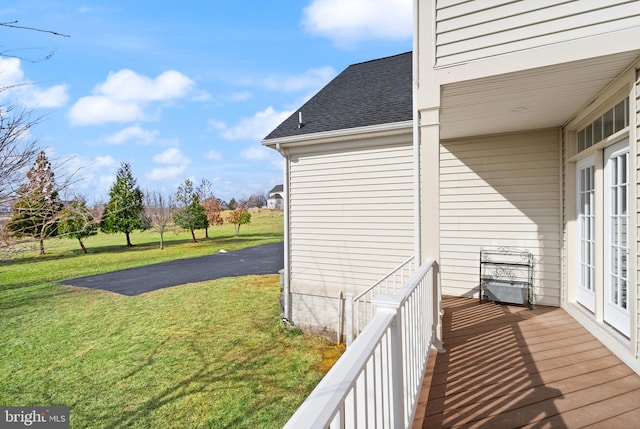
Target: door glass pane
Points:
(586, 227)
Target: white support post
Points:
(348, 314)
(388, 304)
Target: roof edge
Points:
(333, 136)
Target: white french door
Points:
(616, 234)
(586, 233)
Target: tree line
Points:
(39, 213)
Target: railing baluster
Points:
(377, 381)
(389, 284)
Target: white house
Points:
(349, 188)
(275, 199)
(525, 133)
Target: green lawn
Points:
(209, 354)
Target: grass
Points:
(202, 355)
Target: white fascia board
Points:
(377, 131)
(618, 42)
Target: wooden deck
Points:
(510, 367)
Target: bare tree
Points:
(255, 201)
(159, 210)
(17, 150)
(17, 153)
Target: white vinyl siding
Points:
(500, 191)
(351, 217)
(470, 30)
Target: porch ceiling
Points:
(531, 99)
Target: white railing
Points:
(376, 383)
(359, 310)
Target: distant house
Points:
(6, 209)
(349, 188)
(276, 199)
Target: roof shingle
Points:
(364, 94)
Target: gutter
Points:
(286, 289)
(339, 136)
(416, 136)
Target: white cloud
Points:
(99, 109)
(89, 174)
(213, 155)
(123, 96)
(133, 133)
(174, 164)
(127, 85)
(312, 79)
(103, 161)
(55, 96)
(172, 156)
(256, 127)
(14, 84)
(103, 185)
(349, 22)
(163, 173)
(11, 72)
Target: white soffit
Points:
(526, 100)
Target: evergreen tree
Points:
(76, 221)
(125, 210)
(191, 215)
(37, 208)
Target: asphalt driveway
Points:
(265, 259)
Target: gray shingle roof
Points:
(370, 93)
(277, 188)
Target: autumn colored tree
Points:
(37, 207)
(210, 203)
(213, 208)
(125, 210)
(240, 216)
(76, 221)
(190, 214)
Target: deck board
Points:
(508, 367)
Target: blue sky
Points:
(182, 89)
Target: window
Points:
(613, 120)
